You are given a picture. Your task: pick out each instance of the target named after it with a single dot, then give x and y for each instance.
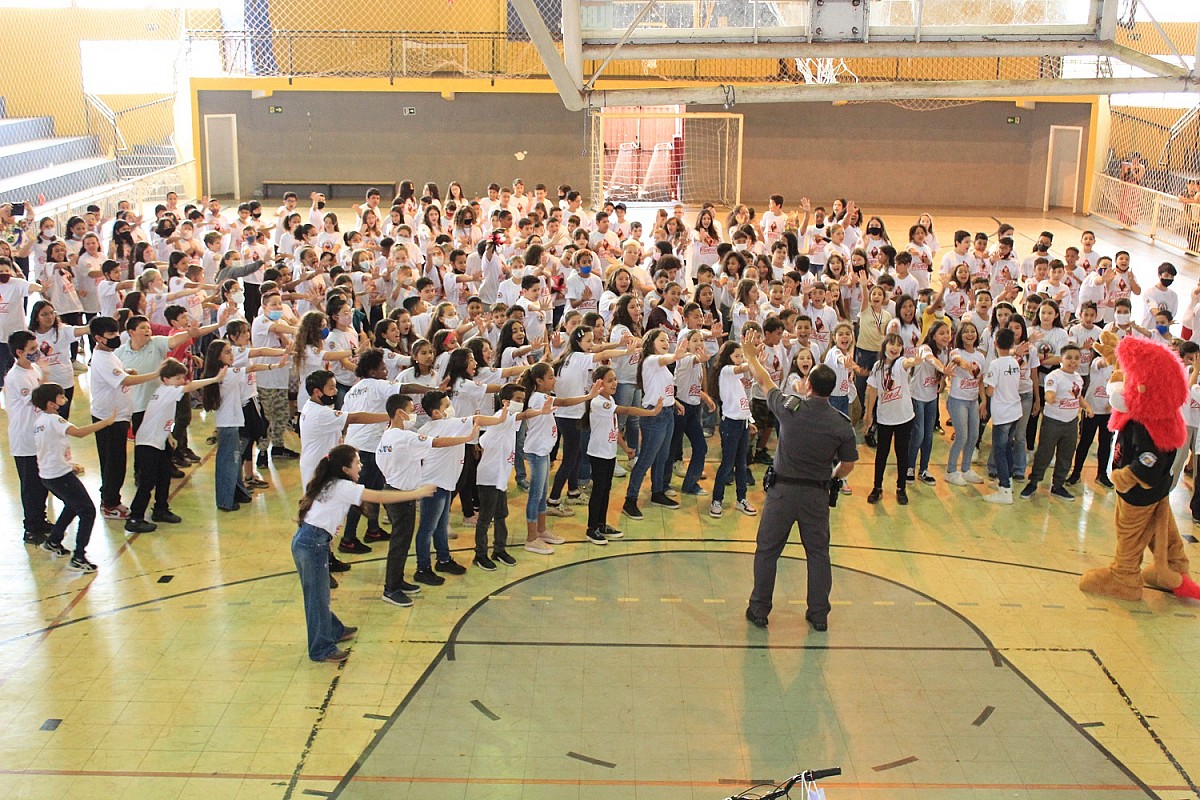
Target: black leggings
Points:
(887, 434)
(1089, 427)
(568, 468)
(602, 475)
(468, 492)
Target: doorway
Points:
(220, 155)
(1062, 168)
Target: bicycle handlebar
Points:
(807, 775)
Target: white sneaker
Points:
(745, 507)
(619, 471)
(678, 470)
(1001, 497)
(550, 538)
(671, 492)
(714, 509)
(971, 476)
(956, 479)
(539, 547)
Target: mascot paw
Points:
(1102, 581)
(1188, 588)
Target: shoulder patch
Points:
(607, 405)
(1148, 459)
(422, 437)
(116, 372)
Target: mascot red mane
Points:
(1147, 391)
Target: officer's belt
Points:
(802, 482)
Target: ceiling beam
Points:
(1155, 66)
(873, 49)
(556, 68)
(912, 90)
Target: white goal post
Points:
(665, 157)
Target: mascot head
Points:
(1153, 390)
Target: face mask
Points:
(237, 297)
(50, 233)
(409, 424)
(5, 277)
(113, 342)
(1165, 281)
(234, 264)
(320, 204)
(452, 322)
(448, 413)
(185, 235)
(33, 357)
(274, 315)
(741, 248)
(874, 230)
(921, 309)
(437, 262)
(1162, 329)
(327, 399)
(514, 407)
(324, 333)
(585, 269)
(1122, 318)
(1116, 396)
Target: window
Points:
(144, 67)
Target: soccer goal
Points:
(666, 157)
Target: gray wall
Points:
(876, 153)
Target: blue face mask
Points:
(324, 333)
(34, 357)
(274, 315)
(1162, 329)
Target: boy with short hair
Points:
(1063, 399)
(1002, 383)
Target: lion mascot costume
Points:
(1147, 391)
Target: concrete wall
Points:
(967, 156)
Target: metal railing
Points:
(1157, 215)
(141, 192)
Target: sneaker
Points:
(1104, 481)
(875, 496)
(81, 565)
(927, 478)
(348, 633)
(1020, 476)
(576, 499)
(397, 599)
(283, 452)
(140, 526)
(409, 588)
(504, 558)
(34, 538)
(902, 497)
(167, 517)
(699, 491)
(669, 492)
(336, 657)
(1001, 497)
(631, 510)
(559, 511)
(333, 584)
(261, 461)
(745, 507)
(523, 486)
(450, 567)
(539, 547)
(550, 538)
(376, 535)
(763, 457)
(191, 456)
(1072, 479)
(353, 546)
(114, 512)
(971, 476)
(1061, 493)
(337, 565)
(846, 490)
(484, 563)
(992, 475)
(911, 476)
(253, 482)
(596, 537)
(610, 532)
(664, 500)
(619, 471)
(467, 522)
(1029, 491)
(678, 470)
(56, 550)
(715, 509)
(428, 577)
(955, 479)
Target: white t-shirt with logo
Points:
(573, 381)
(368, 395)
(320, 431)
(734, 403)
(688, 374)
(541, 431)
(399, 456)
(159, 420)
(1068, 392)
(964, 384)
(657, 382)
(1097, 392)
(925, 378)
(12, 309)
(53, 449)
(443, 465)
(895, 399)
(602, 443)
(499, 446)
(328, 511)
(1004, 376)
(840, 363)
(19, 384)
(108, 395)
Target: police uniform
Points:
(813, 436)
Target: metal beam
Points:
(917, 90)
(539, 34)
(1155, 66)
(873, 49)
(572, 40)
(616, 48)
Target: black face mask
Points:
(328, 399)
(320, 204)
(874, 230)
(112, 342)
(1166, 281)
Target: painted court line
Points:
(895, 764)
(589, 760)
(487, 712)
(983, 716)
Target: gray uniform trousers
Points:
(788, 505)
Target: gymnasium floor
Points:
(962, 660)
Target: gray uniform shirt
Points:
(811, 439)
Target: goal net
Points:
(652, 156)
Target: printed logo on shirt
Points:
(1148, 459)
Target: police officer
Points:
(816, 450)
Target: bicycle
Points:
(807, 780)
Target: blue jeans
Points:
(629, 395)
(965, 414)
(922, 433)
(539, 477)
(655, 454)
(841, 403)
(735, 448)
(310, 551)
(435, 525)
(688, 424)
(1020, 458)
(1003, 440)
(229, 466)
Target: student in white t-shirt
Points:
(1096, 392)
(326, 500)
(737, 426)
(655, 380)
(50, 432)
(154, 445)
(19, 383)
(1059, 433)
(965, 403)
(1003, 385)
(498, 448)
(889, 405)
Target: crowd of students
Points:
(428, 350)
